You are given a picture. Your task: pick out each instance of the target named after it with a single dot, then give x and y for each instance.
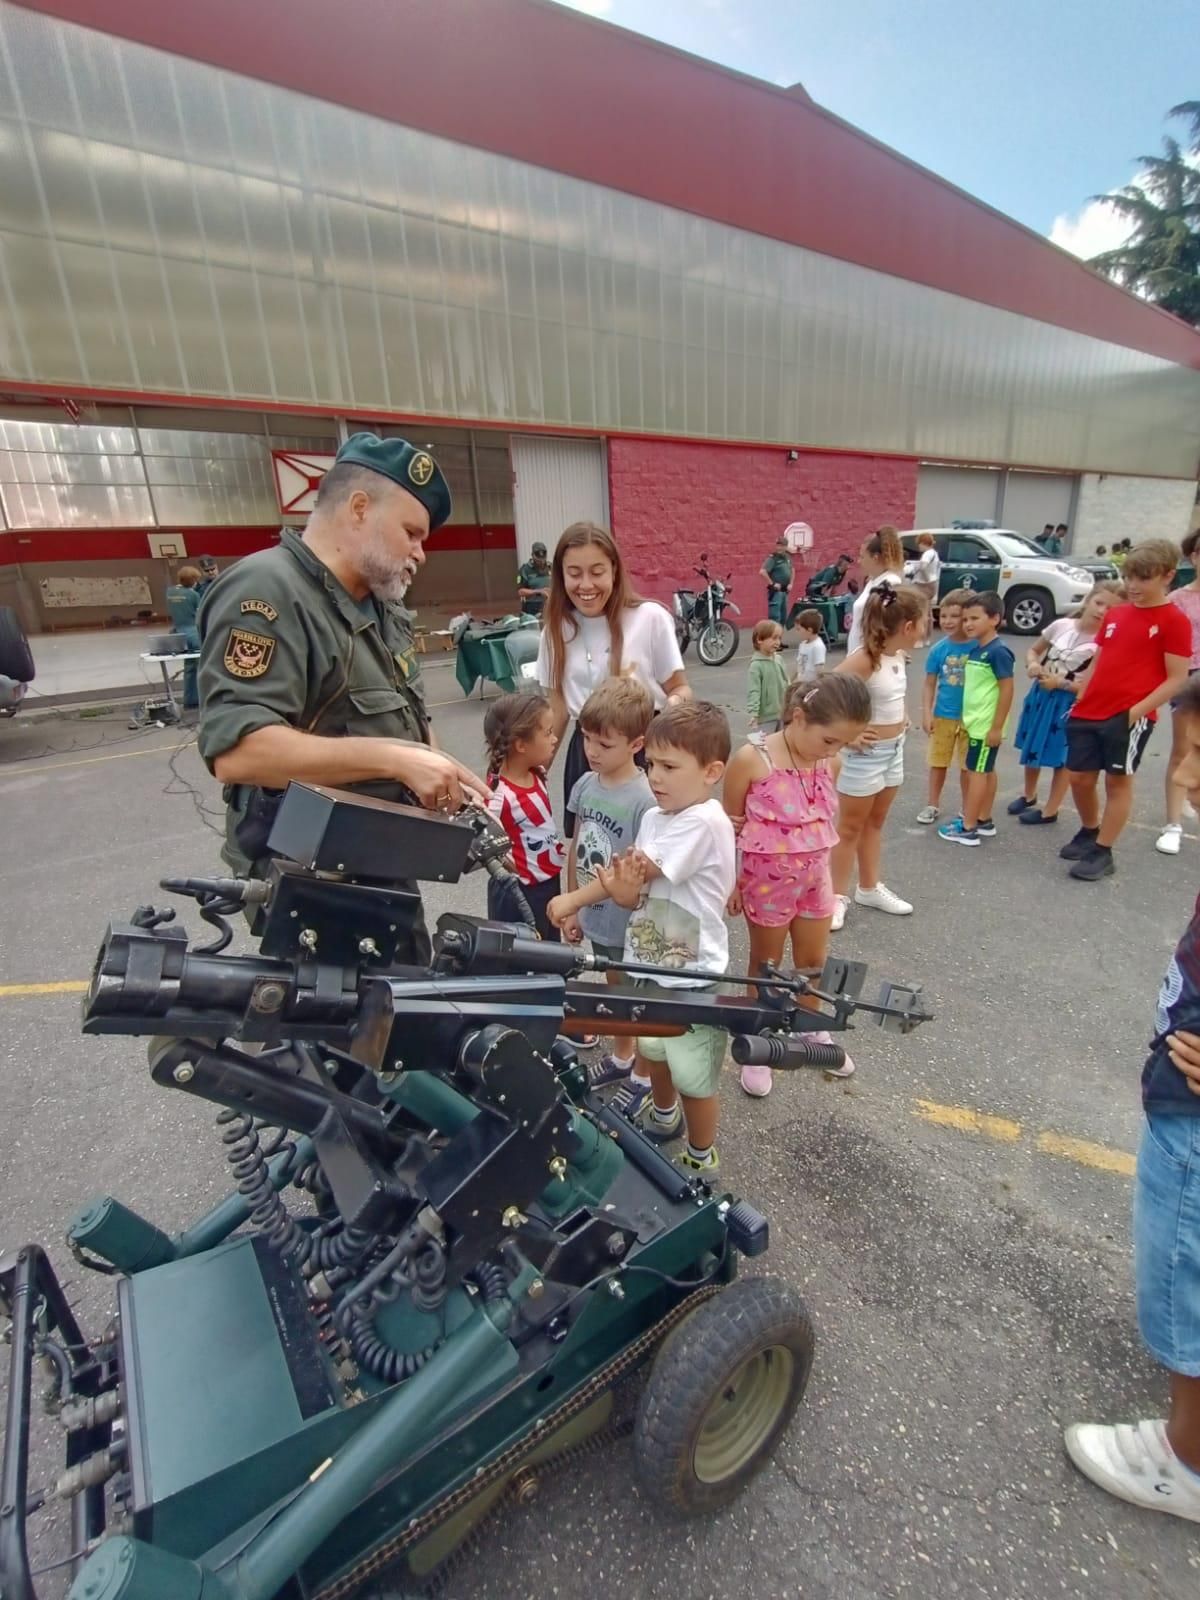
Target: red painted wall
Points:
(672, 502)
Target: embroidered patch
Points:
(420, 469)
(408, 664)
(248, 655)
(262, 608)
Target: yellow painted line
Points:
(1100, 1156)
(967, 1121)
(91, 761)
(9, 991)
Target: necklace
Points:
(802, 773)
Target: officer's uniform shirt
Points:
(282, 642)
(778, 569)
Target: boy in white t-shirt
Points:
(676, 882)
(810, 652)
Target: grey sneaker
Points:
(660, 1132)
(928, 814)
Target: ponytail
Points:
(884, 544)
(889, 606)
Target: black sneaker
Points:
(1015, 807)
(609, 1069)
(1098, 863)
(630, 1099)
(1081, 845)
(1034, 816)
(986, 829)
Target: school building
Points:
(599, 277)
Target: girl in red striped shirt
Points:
(519, 730)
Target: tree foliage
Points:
(1160, 259)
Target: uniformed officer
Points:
(533, 576)
(208, 574)
(307, 668)
(776, 570)
(183, 603)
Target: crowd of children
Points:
(657, 861)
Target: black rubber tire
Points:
(16, 658)
(683, 636)
(1019, 611)
(695, 1365)
(718, 657)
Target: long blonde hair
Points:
(558, 608)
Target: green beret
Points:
(407, 464)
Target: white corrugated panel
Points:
(556, 482)
(945, 494)
(1032, 499)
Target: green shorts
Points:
(694, 1058)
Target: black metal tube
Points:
(642, 1154)
(16, 1583)
(783, 1051)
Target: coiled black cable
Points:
(247, 1157)
(375, 1356)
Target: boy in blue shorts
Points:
(941, 710)
(1156, 1463)
(987, 700)
(609, 802)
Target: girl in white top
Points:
(895, 618)
(596, 627)
(882, 559)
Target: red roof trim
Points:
(545, 85)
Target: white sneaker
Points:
(847, 1068)
(840, 904)
(1135, 1462)
(882, 899)
(928, 814)
(1170, 840)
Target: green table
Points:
(483, 656)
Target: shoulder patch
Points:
(262, 608)
(247, 655)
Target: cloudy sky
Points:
(1033, 105)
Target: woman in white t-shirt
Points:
(882, 556)
(929, 569)
(596, 627)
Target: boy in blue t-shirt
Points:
(1156, 1463)
(941, 712)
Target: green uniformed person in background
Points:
(533, 576)
(183, 604)
(208, 574)
(308, 671)
(777, 571)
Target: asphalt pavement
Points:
(957, 1214)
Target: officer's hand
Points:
(1184, 1050)
(438, 780)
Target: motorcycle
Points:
(701, 616)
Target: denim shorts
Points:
(870, 771)
(1166, 1240)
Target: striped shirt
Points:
(526, 816)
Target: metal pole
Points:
(476, 501)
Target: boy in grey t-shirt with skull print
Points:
(609, 803)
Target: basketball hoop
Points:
(799, 537)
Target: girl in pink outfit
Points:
(1170, 840)
(781, 799)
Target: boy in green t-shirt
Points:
(987, 700)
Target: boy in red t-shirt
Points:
(1142, 662)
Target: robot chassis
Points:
(318, 1402)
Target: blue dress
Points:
(1042, 731)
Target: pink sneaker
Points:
(757, 1081)
(847, 1068)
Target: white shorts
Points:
(867, 772)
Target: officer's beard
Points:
(386, 579)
